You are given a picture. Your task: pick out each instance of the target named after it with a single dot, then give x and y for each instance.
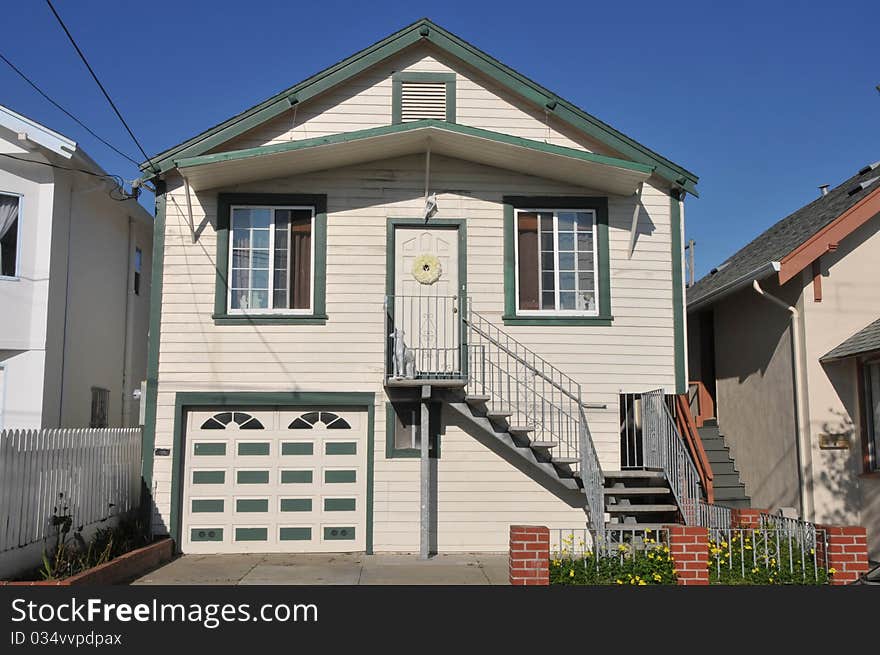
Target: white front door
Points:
(426, 289)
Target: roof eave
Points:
(762, 272)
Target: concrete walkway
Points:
(331, 569)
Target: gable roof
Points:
(422, 30)
(865, 340)
(762, 256)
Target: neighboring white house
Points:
(74, 285)
(526, 255)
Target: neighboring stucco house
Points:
(74, 285)
(417, 239)
(784, 336)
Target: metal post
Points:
(425, 488)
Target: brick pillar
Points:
(529, 561)
(847, 552)
(689, 547)
(746, 518)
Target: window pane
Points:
(528, 260)
(547, 263)
(259, 300)
(566, 281)
(586, 301)
(566, 261)
(585, 241)
(585, 261)
(259, 279)
(260, 238)
(548, 300)
(279, 299)
(567, 300)
(566, 221)
(260, 259)
(548, 282)
(261, 217)
(241, 238)
(238, 299)
(239, 278)
(547, 241)
(300, 259)
(240, 258)
(241, 218)
(566, 240)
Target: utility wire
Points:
(116, 179)
(71, 116)
(98, 82)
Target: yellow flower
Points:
(812, 551)
(648, 531)
(658, 577)
(571, 573)
(619, 581)
(832, 570)
(665, 549)
(674, 572)
(622, 548)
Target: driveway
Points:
(331, 569)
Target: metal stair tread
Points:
(477, 398)
(633, 473)
(566, 460)
(543, 444)
(641, 509)
(520, 428)
(637, 491)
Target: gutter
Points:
(802, 440)
(763, 271)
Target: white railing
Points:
(89, 474)
(423, 338)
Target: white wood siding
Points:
(365, 102)
(480, 495)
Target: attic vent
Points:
(861, 187)
(422, 101)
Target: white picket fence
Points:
(95, 473)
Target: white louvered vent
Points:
(422, 101)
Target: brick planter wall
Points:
(847, 552)
(746, 518)
(529, 561)
(690, 554)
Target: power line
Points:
(98, 82)
(116, 179)
(71, 116)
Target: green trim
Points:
(387, 130)
(423, 30)
(678, 309)
(397, 87)
(412, 453)
(319, 310)
(340, 504)
(185, 400)
(148, 439)
(600, 206)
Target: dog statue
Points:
(403, 359)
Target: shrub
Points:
(625, 564)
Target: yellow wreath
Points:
(427, 269)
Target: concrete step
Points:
(726, 480)
(724, 468)
(613, 508)
(543, 444)
(637, 491)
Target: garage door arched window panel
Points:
(232, 420)
(328, 420)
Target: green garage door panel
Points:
(274, 479)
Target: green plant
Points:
(763, 557)
(641, 564)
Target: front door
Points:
(426, 298)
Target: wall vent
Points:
(422, 101)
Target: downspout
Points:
(66, 303)
(802, 443)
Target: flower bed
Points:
(764, 557)
(637, 562)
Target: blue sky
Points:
(763, 100)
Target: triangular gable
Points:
(427, 32)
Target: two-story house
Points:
(75, 258)
(418, 239)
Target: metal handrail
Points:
(537, 395)
(663, 449)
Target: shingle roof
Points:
(863, 341)
(779, 240)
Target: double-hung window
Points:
(10, 212)
(271, 259)
(556, 262)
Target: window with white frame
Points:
(10, 210)
(271, 259)
(556, 262)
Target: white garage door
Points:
(275, 480)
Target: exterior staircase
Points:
(531, 414)
(729, 488)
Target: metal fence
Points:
(93, 473)
(423, 337)
(778, 553)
